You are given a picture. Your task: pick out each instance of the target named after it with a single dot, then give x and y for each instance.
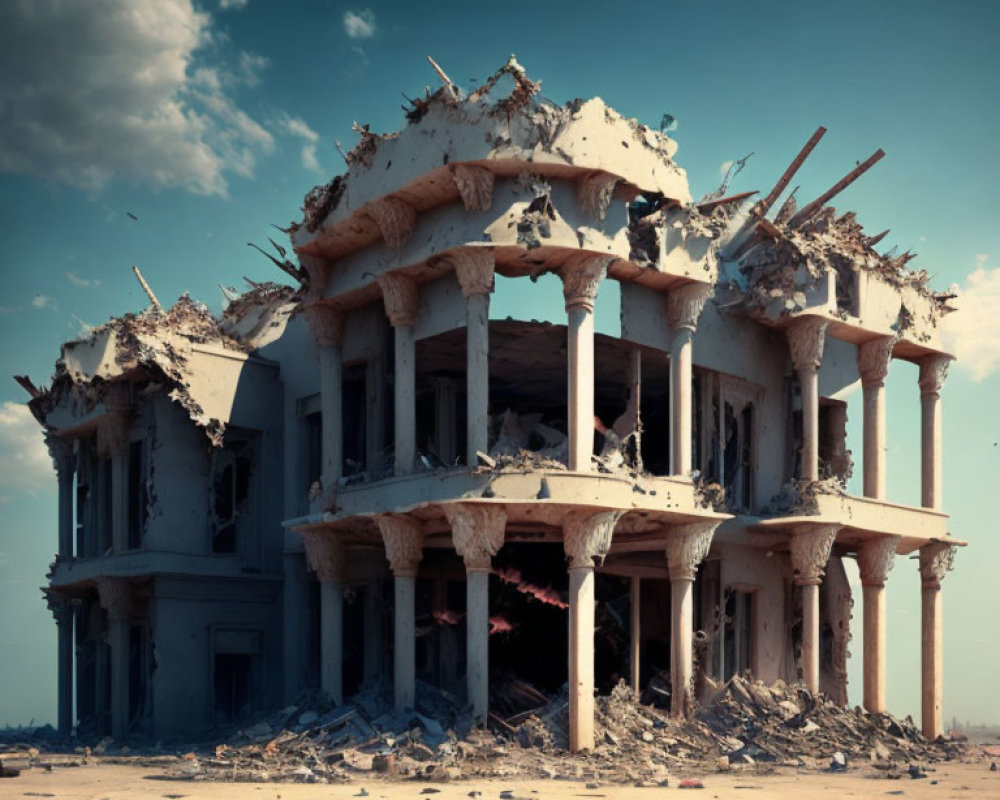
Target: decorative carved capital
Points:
(475, 184)
(401, 298)
(687, 546)
(594, 193)
(63, 457)
(935, 560)
(875, 559)
(61, 607)
(404, 543)
(587, 536)
(115, 596)
(326, 323)
(685, 304)
(395, 219)
(581, 280)
(112, 428)
(811, 545)
(477, 531)
(933, 371)
(806, 337)
(873, 360)
(325, 555)
(474, 268)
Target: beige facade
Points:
(686, 478)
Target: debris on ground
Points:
(743, 725)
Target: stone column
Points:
(116, 598)
(586, 540)
(477, 531)
(935, 560)
(403, 540)
(62, 610)
(581, 280)
(61, 451)
(687, 547)
(474, 268)
(635, 625)
(325, 555)
(875, 559)
(810, 546)
(806, 337)
(112, 442)
(933, 371)
(873, 364)
(327, 325)
(401, 306)
(684, 307)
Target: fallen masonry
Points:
(744, 725)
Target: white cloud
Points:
(250, 66)
(82, 329)
(44, 301)
(83, 283)
(27, 466)
(724, 168)
(236, 5)
(971, 333)
(108, 90)
(300, 129)
(359, 24)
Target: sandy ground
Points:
(113, 782)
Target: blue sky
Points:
(210, 121)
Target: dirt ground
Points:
(115, 782)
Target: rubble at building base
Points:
(744, 725)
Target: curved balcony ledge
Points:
(536, 502)
(142, 563)
(861, 518)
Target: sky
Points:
(170, 133)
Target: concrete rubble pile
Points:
(744, 725)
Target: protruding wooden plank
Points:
(811, 208)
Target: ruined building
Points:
(364, 476)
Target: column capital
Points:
(477, 532)
(325, 555)
(326, 323)
(474, 268)
(806, 337)
(61, 607)
(395, 219)
(474, 184)
(685, 304)
(61, 450)
(936, 560)
(933, 372)
(401, 298)
(404, 543)
(581, 280)
(875, 559)
(115, 596)
(873, 360)
(687, 546)
(587, 536)
(810, 550)
(594, 192)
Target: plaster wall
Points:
(750, 569)
(186, 613)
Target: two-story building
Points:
(368, 475)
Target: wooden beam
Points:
(811, 208)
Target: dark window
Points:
(723, 436)
(232, 476)
(313, 431)
(233, 680)
(138, 497)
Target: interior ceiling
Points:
(528, 365)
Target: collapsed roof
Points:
(156, 347)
